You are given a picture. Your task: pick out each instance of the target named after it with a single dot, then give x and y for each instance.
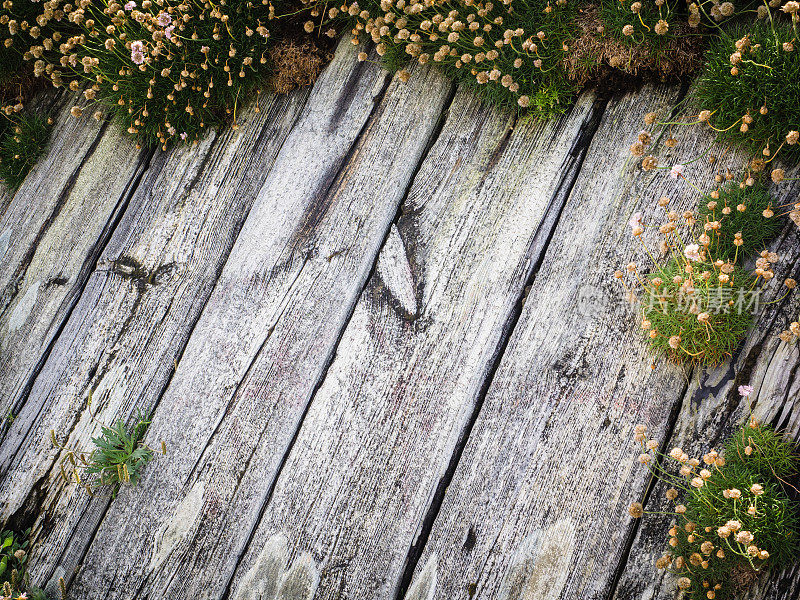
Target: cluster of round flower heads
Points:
(699, 301)
(509, 51)
(725, 518)
(168, 68)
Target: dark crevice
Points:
(376, 112)
(538, 247)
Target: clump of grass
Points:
(118, 458)
(652, 23)
(748, 91)
(14, 578)
(22, 142)
(733, 517)
(745, 210)
(762, 450)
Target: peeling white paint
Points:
(176, 529)
(23, 309)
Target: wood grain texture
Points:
(50, 236)
(712, 410)
(266, 335)
(535, 508)
(382, 428)
(134, 318)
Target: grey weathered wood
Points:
(712, 410)
(266, 335)
(134, 318)
(51, 234)
(536, 507)
(382, 429)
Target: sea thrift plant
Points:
(168, 69)
(698, 301)
(748, 91)
(739, 210)
(733, 519)
(510, 52)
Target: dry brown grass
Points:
(595, 53)
(296, 64)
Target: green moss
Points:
(763, 451)
(673, 313)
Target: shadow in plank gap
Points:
(266, 336)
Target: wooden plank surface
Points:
(325, 310)
(266, 335)
(712, 410)
(51, 234)
(382, 429)
(134, 318)
(535, 508)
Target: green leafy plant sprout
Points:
(119, 457)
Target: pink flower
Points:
(168, 32)
(636, 220)
(692, 252)
(184, 135)
(676, 171)
(130, 5)
(745, 390)
(137, 52)
(164, 19)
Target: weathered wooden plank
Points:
(134, 318)
(50, 236)
(266, 336)
(535, 503)
(383, 427)
(712, 410)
